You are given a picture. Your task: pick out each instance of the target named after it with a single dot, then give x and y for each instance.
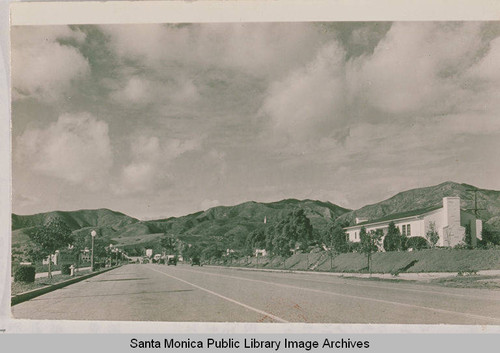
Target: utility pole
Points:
(475, 209)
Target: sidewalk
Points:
(46, 274)
(428, 276)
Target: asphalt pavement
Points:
(184, 293)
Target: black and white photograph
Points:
(257, 172)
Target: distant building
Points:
(260, 252)
(85, 255)
(59, 257)
(449, 221)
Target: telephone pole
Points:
(475, 209)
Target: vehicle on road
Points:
(172, 261)
(196, 261)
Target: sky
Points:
(163, 120)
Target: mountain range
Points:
(229, 225)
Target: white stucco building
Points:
(449, 221)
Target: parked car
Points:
(196, 261)
(172, 261)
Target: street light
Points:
(93, 234)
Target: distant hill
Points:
(432, 196)
(76, 219)
(225, 224)
(106, 221)
(229, 225)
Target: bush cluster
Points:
(417, 243)
(25, 274)
(65, 269)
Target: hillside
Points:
(76, 219)
(229, 225)
(432, 196)
(225, 224)
(107, 221)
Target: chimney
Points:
(454, 233)
(451, 206)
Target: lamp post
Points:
(93, 234)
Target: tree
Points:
(255, 240)
(432, 234)
(79, 244)
(168, 243)
(300, 228)
(393, 240)
(335, 238)
(191, 252)
(83, 240)
(489, 236)
(214, 251)
(282, 239)
(369, 243)
(289, 233)
(46, 239)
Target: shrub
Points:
(354, 247)
(25, 274)
(417, 243)
(65, 269)
(97, 266)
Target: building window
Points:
(403, 229)
(408, 230)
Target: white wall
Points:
(439, 221)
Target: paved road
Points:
(184, 293)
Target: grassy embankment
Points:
(438, 260)
(21, 287)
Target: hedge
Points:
(417, 243)
(65, 269)
(25, 274)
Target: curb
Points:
(22, 297)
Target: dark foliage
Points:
(393, 241)
(335, 238)
(293, 232)
(417, 243)
(65, 269)
(25, 274)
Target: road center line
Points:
(274, 317)
(444, 311)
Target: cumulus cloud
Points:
(42, 67)
(346, 112)
(150, 162)
(488, 67)
(417, 67)
(438, 71)
(76, 149)
(141, 90)
(311, 99)
(264, 50)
